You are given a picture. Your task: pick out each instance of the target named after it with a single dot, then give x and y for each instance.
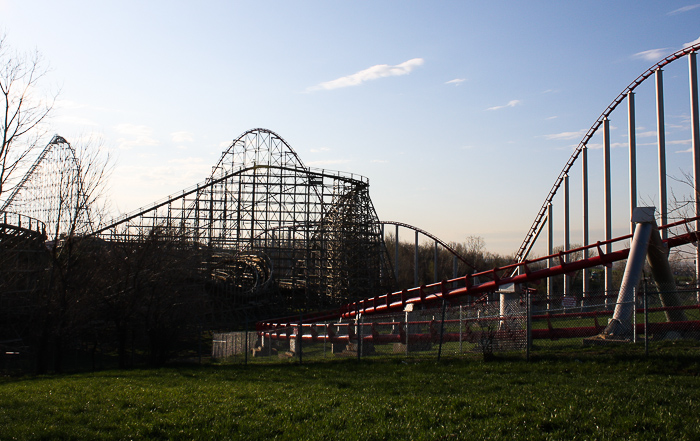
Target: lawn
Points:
(607, 395)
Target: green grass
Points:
(597, 394)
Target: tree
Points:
(22, 122)
(65, 302)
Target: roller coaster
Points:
(272, 237)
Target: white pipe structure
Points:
(646, 242)
(620, 325)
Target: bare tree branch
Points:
(23, 110)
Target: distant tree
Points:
(473, 250)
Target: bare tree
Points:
(67, 302)
(24, 111)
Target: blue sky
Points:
(461, 114)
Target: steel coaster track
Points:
(539, 221)
(54, 141)
(469, 285)
(433, 237)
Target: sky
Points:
(460, 113)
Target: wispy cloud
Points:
(652, 54)
(134, 135)
(683, 9)
(690, 150)
(328, 162)
(549, 118)
(181, 137)
(456, 81)
(372, 73)
(511, 103)
(75, 120)
(696, 41)
(565, 135)
(379, 161)
(657, 54)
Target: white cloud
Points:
(182, 137)
(75, 120)
(144, 183)
(372, 73)
(690, 150)
(456, 81)
(511, 103)
(327, 162)
(565, 135)
(379, 161)
(322, 149)
(657, 54)
(683, 9)
(652, 54)
(696, 41)
(551, 118)
(647, 134)
(134, 135)
(69, 104)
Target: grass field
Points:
(605, 395)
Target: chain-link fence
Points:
(500, 324)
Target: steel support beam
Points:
(396, 254)
(435, 264)
(632, 136)
(415, 261)
(661, 138)
(695, 140)
(567, 236)
(550, 251)
(608, 203)
(584, 166)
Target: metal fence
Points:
(516, 326)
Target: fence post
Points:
(634, 316)
(442, 321)
(646, 318)
(528, 325)
(300, 331)
(460, 329)
(407, 309)
(199, 341)
(359, 337)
